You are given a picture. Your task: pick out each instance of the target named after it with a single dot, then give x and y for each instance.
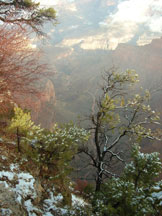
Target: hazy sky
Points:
(122, 21)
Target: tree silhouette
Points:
(117, 118)
(26, 13)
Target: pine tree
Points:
(21, 124)
(26, 13)
(51, 150)
(132, 193)
(118, 119)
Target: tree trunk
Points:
(18, 140)
(98, 181)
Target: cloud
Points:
(155, 24)
(69, 42)
(139, 20)
(131, 17)
(67, 3)
(131, 11)
(111, 2)
(48, 2)
(103, 40)
(146, 38)
(71, 7)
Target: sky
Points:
(122, 21)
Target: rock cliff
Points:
(42, 106)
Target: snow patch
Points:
(157, 195)
(30, 208)
(5, 212)
(78, 201)
(7, 174)
(23, 184)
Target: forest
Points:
(71, 147)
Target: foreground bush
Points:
(132, 193)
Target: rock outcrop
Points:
(8, 204)
(42, 106)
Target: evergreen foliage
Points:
(51, 150)
(131, 194)
(118, 119)
(21, 124)
(48, 147)
(26, 13)
(22, 120)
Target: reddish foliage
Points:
(80, 186)
(21, 67)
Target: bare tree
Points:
(117, 118)
(21, 66)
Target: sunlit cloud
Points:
(33, 46)
(48, 2)
(111, 3)
(55, 2)
(131, 11)
(71, 7)
(130, 17)
(146, 39)
(108, 39)
(139, 21)
(155, 24)
(70, 42)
